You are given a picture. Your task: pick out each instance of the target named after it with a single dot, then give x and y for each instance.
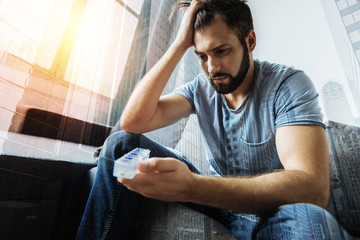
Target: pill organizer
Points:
(126, 166)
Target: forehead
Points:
(216, 34)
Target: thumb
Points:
(152, 165)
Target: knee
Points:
(120, 136)
(295, 211)
(301, 208)
(119, 143)
(296, 221)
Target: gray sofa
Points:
(158, 220)
(344, 151)
(44, 189)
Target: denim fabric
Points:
(111, 209)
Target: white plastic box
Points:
(126, 166)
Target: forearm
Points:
(144, 112)
(260, 194)
(144, 100)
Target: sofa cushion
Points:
(344, 150)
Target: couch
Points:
(44, 193)
(42, 172)
(175, 221)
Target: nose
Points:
(213, 65)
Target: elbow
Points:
(124, 124)
(324, 190)
(127, 125)
(319, 199)
(315, 190)
(323, 198)
(130, 126)
(320, 195)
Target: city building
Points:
(343, 17)
(336, 105)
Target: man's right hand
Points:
(185, 34)
(146, 110)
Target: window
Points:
(101, 48)
(342, 4)
(351, 2)
(64, 56)
(358, 55)
(357, 16)
(355, 36)
(348, 19)
(22, 27)
(66, 66)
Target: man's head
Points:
(235, 13)
(221, 21)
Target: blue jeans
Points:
(112, 208)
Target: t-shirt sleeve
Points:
(187, 91)
(297, 102)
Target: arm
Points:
(305, 178)
(145, 110)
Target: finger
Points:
(195, 6)
(131, 181)
(158, 165)
(131, 184)
(196, 3)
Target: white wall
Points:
(296, 33)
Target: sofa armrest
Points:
(344, 160)
(42, 123)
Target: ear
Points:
(251, 40)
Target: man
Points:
(262, 129)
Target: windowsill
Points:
(21, 145)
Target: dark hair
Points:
(235, 13)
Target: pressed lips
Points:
(218, 77)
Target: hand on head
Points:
(186, 31)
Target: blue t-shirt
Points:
(241, 142)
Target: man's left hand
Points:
(165, 179)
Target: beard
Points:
(235, 82)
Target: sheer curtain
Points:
(98, 59)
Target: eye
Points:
(202, 57)
(222, 51)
